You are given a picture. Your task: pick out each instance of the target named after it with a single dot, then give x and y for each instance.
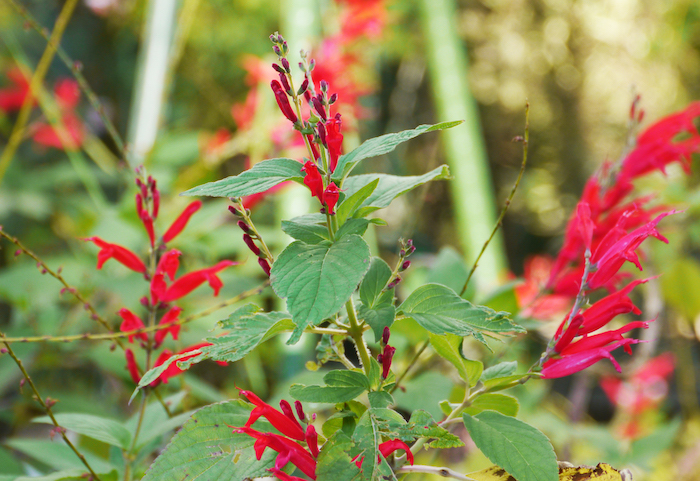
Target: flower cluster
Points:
(164, 286)
(604, 232)
(296, 445)
(67, 98)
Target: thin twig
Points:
(444, 472)
(75, 70)
(411, 363)
(47, 408)
(37, 79)
(118, 335)
(499, 222)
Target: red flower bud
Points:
(244, 227)
(385, 335)
(313, 180)
(251, 245)
(265, 266)
(283, 101)
(131, 366)
(330, 197)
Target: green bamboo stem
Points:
(472, 191)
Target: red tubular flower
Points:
(168, 319)
(283, 101)
(279, 474)
(588, 343)
(286, 424)
(146, 218)
(131, 366)
(131, 322)
(574, 363)
(119, 253)
(189, 282)
(12, 98)
(313, 180)
(312, 440)
(569, 333)
(67, 93)
(334, 139)
(172, 370)
(387, 356)
(388, 447)
(169, 263)
(610, 260)
(265, 266)
(181, 221)
(289, 451)
(158, 287)
(604, 310)
(330, 197)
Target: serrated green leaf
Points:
(245, 328)
(469, 371)
(422, 425)
(389, 188)
(352, 226)
(341, 386)
(334, 464)
(342, 377)
(380, 399)
(262, 176)
(502, 403)
(317, 280)
(207, 449)
(367, 438)
(106, 430)
(520, 449)
(353, 201)
(441, 311)
(502, 369)
(309, 233)
(382, 145)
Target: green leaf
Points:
(382, 145)
(341, 386)
(367, 438)
(449, 270)
(502, 403)
(207, 449)
(502, 369)
(422, 425)
(354, 201)
(378, 318)
(334, 464)
(505, 382)
(316, 280)
(523, 451)
(681, 286)
(352, 226)
(57, 454)
(441, 311)
(106, 430)
(262, 176)
(389, 188)
(469, 371)
(76, 474)
(380, 399)
(245, 328)
(309, 233)
(374, 282)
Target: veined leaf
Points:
(262, 176)
(353, 201)
(316, 280)
(389, 187)
(501, 403)
(468, 370)
(309, 233)
(382, 145)
(441, 311)
(207, 449)
(106, 430)
(501, 369)
(341, 386)
(353, 226)
(520, 449)
(374, 282)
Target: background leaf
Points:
(106, 430)
(515, 446)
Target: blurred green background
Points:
(579, 64)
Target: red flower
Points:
(72, 133)
(609, 260)
(158, 287)
(334, 139)
(130, 323)
(284, 423)
(385, 359)
(146, 218)
(12, 98)
(568, 365)
(388, 447)
(169, 263)
(168, 319)
(645, 388)
(283, 101)
(181, 221)
(604, 310)
(289, 451)
(313, 180)
(131, 366)
(189, 282)
(330, 197)
(119, 253)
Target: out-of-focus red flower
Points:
(283, 101)
(189, 282)
(168, 319)
(67, 95)
(530, 294)
(131, 366)
(132, 322)
(645, 388)
(117, 252)
(12, 98)
(179, 224)
(169, 263)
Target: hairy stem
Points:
(355, 332)
(499, 222)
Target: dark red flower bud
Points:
(333, 99)
(319, 108)
(283, 101)
(277, 50)
(285, 83)
(385, 335)
(307, 96)
(233, 210)
(251, 245)
(304, 86)
(244, 227)
(285, 64)
(18, 252)
(277, 68)
(330, 197)
(324, 86)
(387, 356)
(156, 201)
(394, 283)
(265, 266)
(300, 410)
(405, 265)
(322, 134)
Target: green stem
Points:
(355, 332)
